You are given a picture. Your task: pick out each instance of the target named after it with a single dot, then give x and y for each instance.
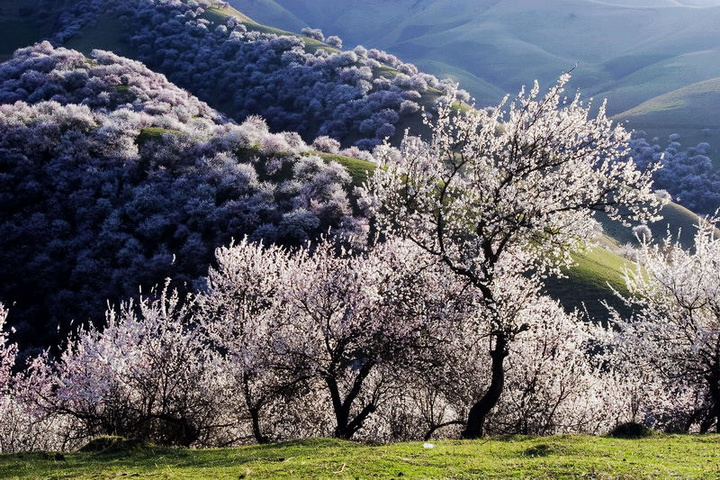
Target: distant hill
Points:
(691, 112)
(629, 51)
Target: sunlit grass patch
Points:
(563, 456)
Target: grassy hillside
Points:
(591, 281)
(273, 14)
(660, 456)
(690, 111)
(638, 78)
(675, 218)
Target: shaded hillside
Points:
(27, 22)
(111, 177)
(243, 68)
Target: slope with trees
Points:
(242, 68)
(112, 178)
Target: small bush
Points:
(111, 444)
(630, 430)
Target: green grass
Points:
(658, 456)
(596, 273)
(690, 106)
(154, 133)
(674, 218)
(358, 169)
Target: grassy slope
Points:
(686, 111)
(659, 456)
(273, 14)
(591, 281)
(599, 271)
(358, 169)
(641, 77)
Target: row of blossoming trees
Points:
(441, 328)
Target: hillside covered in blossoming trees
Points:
(114, 178)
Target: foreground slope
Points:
(659, 456)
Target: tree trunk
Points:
(713, 380)
(341, 410)
(347, 427)
(712, 377)
(479, 411)
(254, 407)
(257, 432)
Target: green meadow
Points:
(564, 456)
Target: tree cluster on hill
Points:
(687, 175)
(111, 177)
(314, 90)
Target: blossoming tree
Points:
(500, 194)
(675, 333)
